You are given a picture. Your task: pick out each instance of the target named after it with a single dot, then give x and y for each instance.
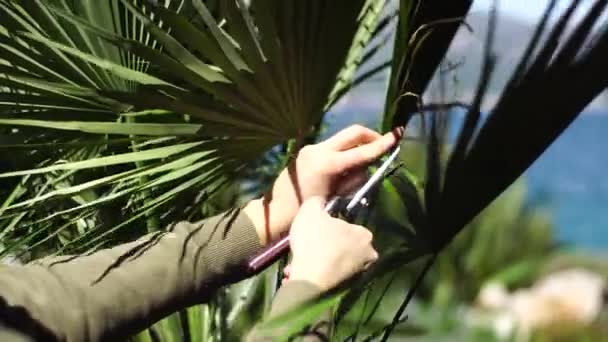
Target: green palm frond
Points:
(551, 86)
(555, 80)
(127, 110)
(553, 83)
(424, 33)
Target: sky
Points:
(527, 9)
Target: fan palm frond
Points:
(134, 107)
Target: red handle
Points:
(270, 254)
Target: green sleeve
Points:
(114, 293)
(289, 297)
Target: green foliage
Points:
(487, 157)
(140, 109)
(509, 241)
(424, 33)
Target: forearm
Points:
(116, 292)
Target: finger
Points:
(364, 155)
(351, 137)
(373, 255)
(368, 264)
(371, 258)
(287, 271)
(351, 182)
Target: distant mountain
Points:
(512, 36)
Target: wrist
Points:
(269, 219)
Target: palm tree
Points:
(148, 108)
(558, 76)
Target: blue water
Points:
(571, 177)
(571, 174)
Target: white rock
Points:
(493, 296)
(570, 297)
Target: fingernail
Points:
(399, 130)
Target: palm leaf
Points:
(550, 88)
(424, 33)
(537, 105)
(77, 75)
(554, 82)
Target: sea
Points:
(570, 178)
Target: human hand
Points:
(326, 250)
(336, 165)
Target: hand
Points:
(335, 165)
(326, 250)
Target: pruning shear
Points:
(337, 206)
